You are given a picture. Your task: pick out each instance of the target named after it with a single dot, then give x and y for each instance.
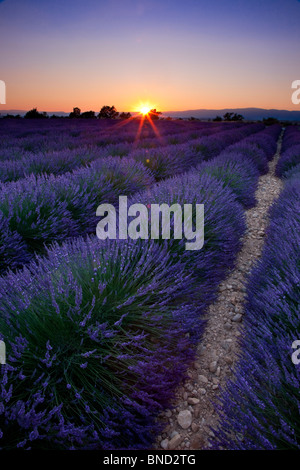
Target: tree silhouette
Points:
(108, 112)
(34, 114)
(217, 119)
(270, 121)
(228, 116)
(154, 114)
(75, 113)
(125, 116)
(11, 116)
(88, 115)
(233, 117)
(237, 117)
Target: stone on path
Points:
(184, 419)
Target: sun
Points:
(144, 110)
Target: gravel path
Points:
(189, 421)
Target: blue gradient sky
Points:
(176, 55)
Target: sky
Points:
(174, 55)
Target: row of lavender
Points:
(68, 134)
(34, 211)
(18, 149)
(65, 160)
(99, 134)
(17, 164)
(92, 129)
(171, 160)
(240, 165)
(99, 334)
(289, 163)
(260, 408)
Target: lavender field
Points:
(100, 334)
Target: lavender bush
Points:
(259, 147)
(37, 210)
(294, 172)
(96, 338)
(224, 226)
(56, 163)
(165, 161)
(237, 173)
(288, 160)
(266, 140)
(291, 137)
(251, 152)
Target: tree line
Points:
(106, 112)
(229, 117)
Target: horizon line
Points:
(163, 112)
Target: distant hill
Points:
(251, 114)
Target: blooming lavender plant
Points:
(250, 151)
(98, 336)
(266, 140)
(259, 147)
(288, 160)
(291, 138)
(38, 210)
(224, 226)
(237, 173)
(294, 172)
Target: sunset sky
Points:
(176, 55)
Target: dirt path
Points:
(193, 412)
